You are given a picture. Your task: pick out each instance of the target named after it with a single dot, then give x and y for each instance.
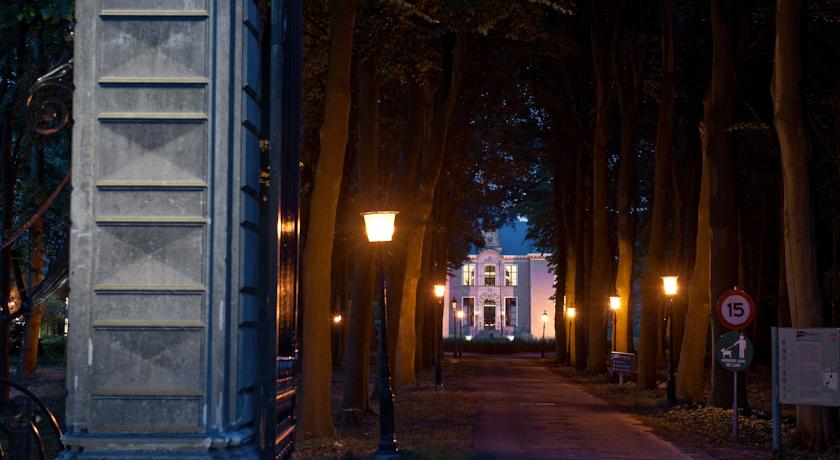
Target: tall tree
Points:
(730, 24)
(357, 367)
(657, 241)
(815, 426)
(445, 94)
(315, 403)
(600, 271)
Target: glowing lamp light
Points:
(439, 290)
(460, 314)
(379, 225)
(615, 303)
(545, 316)
(468, 337)
(510, 337)
(337, 318)
(669, 284)
(571, 312)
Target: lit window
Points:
(489, 275)
(469, 310)
(469, 275)
(511, 275)
(510, 311)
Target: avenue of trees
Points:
(640, 139)
(34, 172)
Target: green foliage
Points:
(52, 348)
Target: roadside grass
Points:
(430, 424)
(704, 427)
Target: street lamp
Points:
(570, 312)
(440, 290)
(615, 305)
(542, 346)
(460, 316)
(669, 285)
(380, 230)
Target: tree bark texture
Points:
(601, 269)
(315, 416)
(360, 322)
(430, 167)
(815, 426)
(658, 239)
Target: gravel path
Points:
(526, 412)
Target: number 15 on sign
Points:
(735, 309)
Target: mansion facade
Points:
(501, 296)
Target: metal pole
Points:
(615, 333)
(735, 406)
(387, 438)
(438, 351)
(569, 344)
(542, 343)
(461, 328)
(672, 388)
(777, 408)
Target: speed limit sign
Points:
(735, 309)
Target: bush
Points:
(51, 349)
(501, 346)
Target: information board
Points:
(622, 363)
(809, 362)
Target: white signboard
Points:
(809, 362)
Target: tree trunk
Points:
(730, 21)
(432, 162)
(560, 188)
(692, 365)
(627, 67)
(32, 333)
(360, 322)
(601, 269)
(657, 242)
(815, 426)
(314, 411)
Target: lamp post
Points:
(571, 314)
(542, 345)
(669, 285)
(460, 315)
(339, 337)
(440, 289)
(454, 304)
(615, 304)
(380, 230)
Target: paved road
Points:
(527, 412)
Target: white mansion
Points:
(501, 295)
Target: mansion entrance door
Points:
(489, 314)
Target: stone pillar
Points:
(162, 357)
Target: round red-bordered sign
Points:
(735, 309)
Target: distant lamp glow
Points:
(337, 318)
(669, 284)
(468, 337)
(615, 303)
(510, 337)
(460, 314)
(439, 290)
(571, 312)
(545, 316)
(379, 225)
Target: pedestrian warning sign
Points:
(734, 351)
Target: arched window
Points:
(489, 275)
